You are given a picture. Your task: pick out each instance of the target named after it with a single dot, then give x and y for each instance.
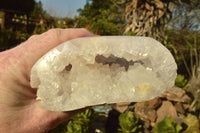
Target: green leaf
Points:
(192, 123)
(129, 123)
(179, 128)
(168, 125)
(79, 123)
(181, 82)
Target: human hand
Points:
(19, 111)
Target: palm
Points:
(20, 112)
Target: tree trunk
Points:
(147, 18)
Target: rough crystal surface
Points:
(96, 70)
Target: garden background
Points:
(175, 23)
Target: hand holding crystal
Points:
(19, 109)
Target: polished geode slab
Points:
(96, 70)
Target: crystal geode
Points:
(96, 70)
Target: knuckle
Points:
(33, 37)
(53, 31)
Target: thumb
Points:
(37, 45)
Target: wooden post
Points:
(3, 20)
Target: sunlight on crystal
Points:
(144, 87)
(98, 70)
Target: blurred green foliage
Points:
(168, 125)
(38, 11)
(181, 82)
(130, 33)
(9, 38)
(129, 123)
(102, 16)
(192, 123)
(80, 123)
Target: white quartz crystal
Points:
(96, 70)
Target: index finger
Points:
(37, 46)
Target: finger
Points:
(38, 45)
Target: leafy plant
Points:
(80, 123)
(192, 123)
(181, 82)
(129, 123)
(7, 37)
(104, 16)
(10, 38)
(168, 125)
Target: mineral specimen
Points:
(96, 70)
